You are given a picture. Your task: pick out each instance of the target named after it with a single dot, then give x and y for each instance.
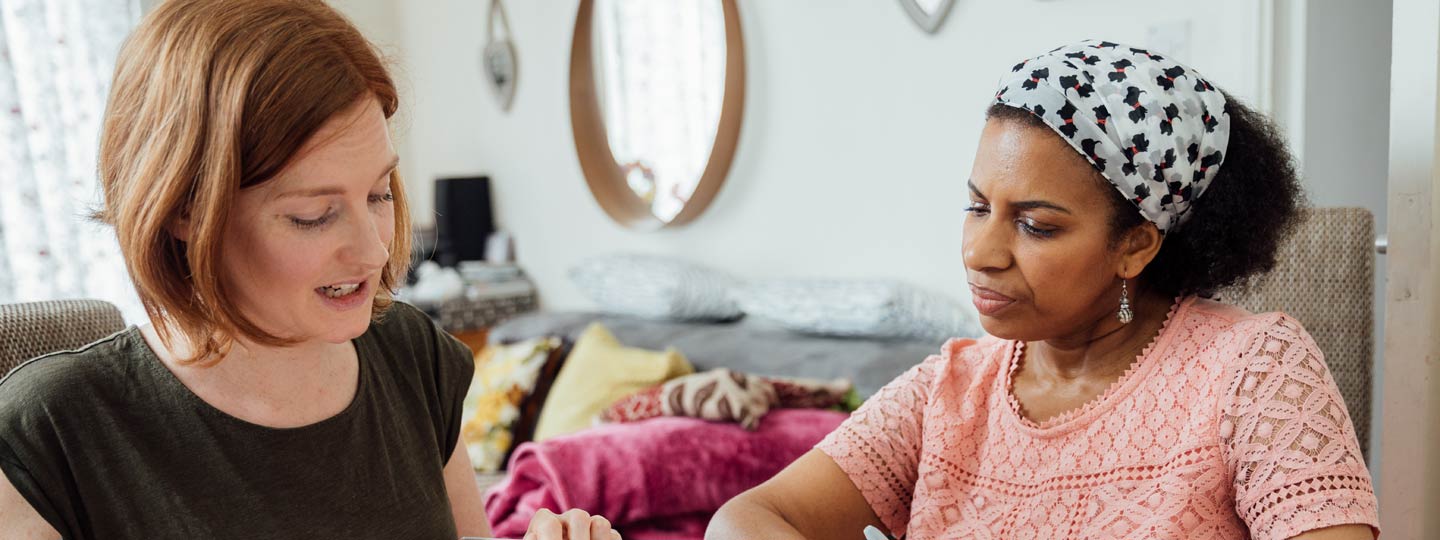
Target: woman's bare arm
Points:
(464, 493)
(18, 519)
(1339, 532)
(811, 499)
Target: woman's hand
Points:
(574, 524)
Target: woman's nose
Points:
(987, 245)
(367, 245)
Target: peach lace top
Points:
(1227, 426)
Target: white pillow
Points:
(858, 308)
(656, 287)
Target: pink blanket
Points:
(658, 478)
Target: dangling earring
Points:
(1125, 315)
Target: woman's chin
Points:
(342, 330)
(348, 332)
(339, 339)
(1008, 328)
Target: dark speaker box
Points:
(463, 219)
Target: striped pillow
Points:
(656, 287)
(858, 308)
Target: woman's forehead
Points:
(352, 138)
(352, 149)
(1019, 161)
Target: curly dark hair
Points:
(1235, 228)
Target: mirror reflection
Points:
(930, 6)
(660, 82)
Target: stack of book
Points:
(493, 292)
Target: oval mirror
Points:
(656, 92)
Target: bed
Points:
(748, 345)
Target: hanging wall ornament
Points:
(928, 14)
(498, 58)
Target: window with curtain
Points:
(56, 61)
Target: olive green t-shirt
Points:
(105, 442)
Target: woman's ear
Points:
(181, 228)
(1138, 247)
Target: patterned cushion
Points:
(858, 308)
(755, 396)
(656, 287)
(523, 430)
(504, 376)
(635, 407)
(719, 394)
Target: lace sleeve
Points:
(1291, 448)
(878, 447)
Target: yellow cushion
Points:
(598, 372)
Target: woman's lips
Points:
(989, 302)
(350, 301)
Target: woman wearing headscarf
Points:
(1113, 191)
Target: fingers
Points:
(545, 525)
(600, 529)
(575, 524)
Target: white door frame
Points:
(1409, 463)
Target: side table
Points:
(470, 317)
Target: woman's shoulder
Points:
(58, 380)
(1226, 316)
(972, 352)
(1241, 334)
(406, 334)
(99, 359)
(405, 327)
(401, 318)
(964, 361)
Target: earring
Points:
(1125, 315)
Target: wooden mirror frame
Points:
(592, 145)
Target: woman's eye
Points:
(305, 224)
(383, 198)
(978, 209)
(1031, 229)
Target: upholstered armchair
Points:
(33, 329)
(1324, 277)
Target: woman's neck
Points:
(1105, 348)
(272, 386)
(257, 357)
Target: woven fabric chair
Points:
(37, 328)
(1324, 277)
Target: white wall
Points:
(377, 19)
(858, 132)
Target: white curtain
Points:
(56, 61)
(661, 78)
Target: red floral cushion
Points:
(634, 407)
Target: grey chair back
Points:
(34, 329)
(1324, 277)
